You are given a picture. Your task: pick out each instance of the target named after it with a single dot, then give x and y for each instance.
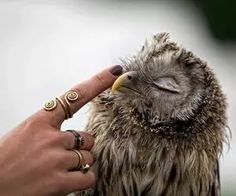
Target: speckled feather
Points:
(160, 145)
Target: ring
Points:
(80, 156)
(50, 105)
(71, 96)
(84, 167)
(65, 103)
(65, 107)
(79, 140)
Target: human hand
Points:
(36, 158)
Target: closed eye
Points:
(167, 84)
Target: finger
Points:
(78, 181)
(70, 140)
(73, 159)
(86, 90)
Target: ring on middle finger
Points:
(79, 140)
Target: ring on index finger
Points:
(65, 103)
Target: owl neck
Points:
(165, 129)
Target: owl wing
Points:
(215, 189)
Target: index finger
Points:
(86, 90)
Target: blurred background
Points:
(48, 46)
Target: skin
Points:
(36, 157)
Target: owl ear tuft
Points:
(161, 37)
(156, 39)
(168, 84)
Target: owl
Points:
(161, 127)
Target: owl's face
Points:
(159, 84)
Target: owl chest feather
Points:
(132, 162)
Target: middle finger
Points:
(71, 143)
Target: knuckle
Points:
(50, 140)
(39, 117)
(35, 122)
(100, 80)
(55, 138)
(31, 122)
(32, 125)
(67, 139)
(55, 159)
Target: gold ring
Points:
(71, 96)
(84, 167)
(65, 103)
(50, 105)
(65, 107)
(80, 156)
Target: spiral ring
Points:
(65, 102)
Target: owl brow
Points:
(171, 77)
(146, 74)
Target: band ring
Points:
(79, 140)
(84, 167)
(80, 157)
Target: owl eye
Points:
(168, 84)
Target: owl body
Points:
(162, 133)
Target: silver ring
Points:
(79, 140)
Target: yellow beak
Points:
(124, 80)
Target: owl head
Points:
(165, 84)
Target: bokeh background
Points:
(48, 46)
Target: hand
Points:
(36, 158)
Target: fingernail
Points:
(116, 70)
